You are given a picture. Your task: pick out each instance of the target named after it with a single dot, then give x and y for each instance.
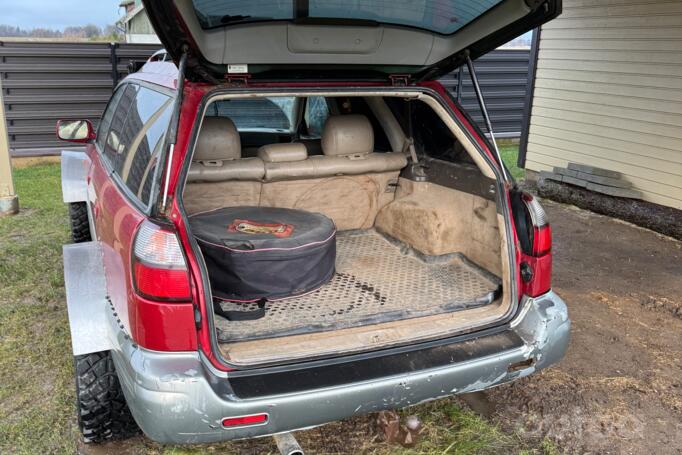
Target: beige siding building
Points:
(608, 93)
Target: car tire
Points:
(103, 413)
(80, 225)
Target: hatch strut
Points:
(472, 72)
(172, 135)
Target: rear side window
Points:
(135, 137)
(256, 114)
(107, 118)
(431, 135)
(316, 114)
(115, 144)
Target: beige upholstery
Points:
(222, 171)
(349, 183)
(202, 197)
(438, 220)
(345, 135)
(328, 166)
(352, 201)
(218, 140)
(282, 153)
(217, 156)
(348, 146)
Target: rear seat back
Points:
(218, 176)
(348, 147)
(349, 183)
(217, 155)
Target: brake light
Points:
(159, 268)
(535, 235)
(541, 240)
(255, 419)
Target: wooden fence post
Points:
(9, 201)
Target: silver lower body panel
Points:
(171, 397)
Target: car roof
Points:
(159, 73)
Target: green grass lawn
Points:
(510, 153)
(36, 383)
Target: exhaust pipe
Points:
(287, 444)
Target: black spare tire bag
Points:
(256, 253)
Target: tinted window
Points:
(316, 114)
(256, 114)
(135, 137)
(441, 16)
(115, 145)
(108, 116)
(431, 135)
(153, 109)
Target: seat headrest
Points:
(347, 135)
(218, 141)
(280, 153)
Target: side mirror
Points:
(80, 131)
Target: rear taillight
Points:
(541, 240)
(159, 268)
(535, 238)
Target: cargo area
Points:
(421, 250)
(377, 280)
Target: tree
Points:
(92, 31)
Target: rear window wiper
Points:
(231, 19)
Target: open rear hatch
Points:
(372, 39)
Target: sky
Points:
(57, 14)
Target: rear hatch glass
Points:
(444, 16)
(312, 39)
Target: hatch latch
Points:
(399, 80)
(238, 80)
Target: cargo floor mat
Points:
(377, 280)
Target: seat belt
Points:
(416, 170)
(408, 147)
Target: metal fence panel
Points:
(44, 82)
(47, 81)
(503, 76)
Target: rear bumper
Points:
(171, 397)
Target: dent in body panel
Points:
(172, 404)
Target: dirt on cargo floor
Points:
(619, 388)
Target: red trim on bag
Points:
(269, 249)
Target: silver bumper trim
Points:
(172, 400)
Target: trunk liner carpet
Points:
(377, 280)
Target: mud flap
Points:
(75, 167)
(86, 298)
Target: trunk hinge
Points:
(399, 80)
(238, 80)
(481, 102)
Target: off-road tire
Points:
(80, 226)
(103, 413)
